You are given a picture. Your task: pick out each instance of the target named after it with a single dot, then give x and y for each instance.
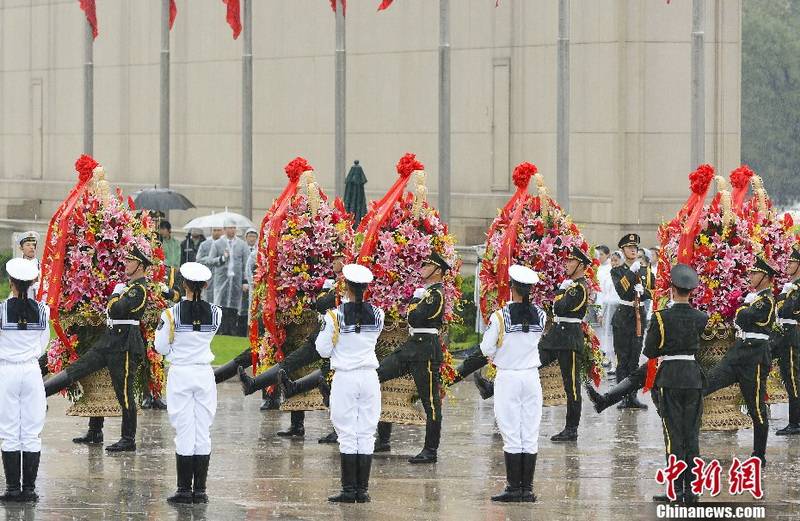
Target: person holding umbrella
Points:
(229, 257)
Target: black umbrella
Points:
(355, 201)
(161, 199)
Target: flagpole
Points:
(341, 101)
(562, 104)
(247, 111)
(163, 169)
(444, 110)
(88, 91)
(698, 147)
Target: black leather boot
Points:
(12, 466)
(270, 401)
(125, 444)
(484, 385)
(200, 474)
(349, 480)
(185, 467)
(634, 403)
(364, 465)
(262, 381)
(615, 394)
(95, 433)
(382, 441)
(568, 434)
(297, 427)
(30, 469)
(307, 383)
(513, 490)
(528, 470)
(331, 437)
(428, 454)
(789, 430)
(56, 383)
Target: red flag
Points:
(344, 5)
(233, 17)
(88, 7)
(173, 12)
(385, 4)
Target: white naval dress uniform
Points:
(23, 405)
(517, 390)
(355, 401)
(191, 391)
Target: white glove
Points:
(419, 292)
(788, 287)
(119, 289)
(635, 266)
(749, 298)
(639, 289)
(670, 303)
(328, 284)
(565, 284)
(164, 288)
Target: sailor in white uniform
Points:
(184, 336)
(347, 336)
(512, 343)
(24, 334)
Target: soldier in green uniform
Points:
(748, 361)
(565, 340)
(785, 347)
(120, 349)
(633, 283)
(674, 337)
(421, 355)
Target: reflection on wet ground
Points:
(607, 474)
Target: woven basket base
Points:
(552, 386)
(98, 397)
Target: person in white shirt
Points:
(348, 336)
(24, 335)
(608, 304)
(184, 336)
(512, 343)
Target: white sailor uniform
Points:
(517, 390)
(191, 391)
(355, 401)
(22, 400)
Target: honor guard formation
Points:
(347, 318)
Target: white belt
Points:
(112, 323)
(568, 320)
(629, 303)
(752, 336)
(23, 362)
(677, 357)
(787, 321)
(423, 331)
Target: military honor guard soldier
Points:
(24, 334)
(786, 346)
(184, 336)
(348, 336)
(512, 343)
(674, 338)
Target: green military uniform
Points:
(786, 346)
(565, 342)
(747, 362)
(627, 344)
(421, 356)
(674, 336)
(120, 349)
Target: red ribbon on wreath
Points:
(55, 247)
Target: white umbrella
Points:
(219, 220)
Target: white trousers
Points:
(191, 405)
(23, 406)
(355, 409)
(518, 409)
(607, 331)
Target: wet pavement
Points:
(607, 474)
